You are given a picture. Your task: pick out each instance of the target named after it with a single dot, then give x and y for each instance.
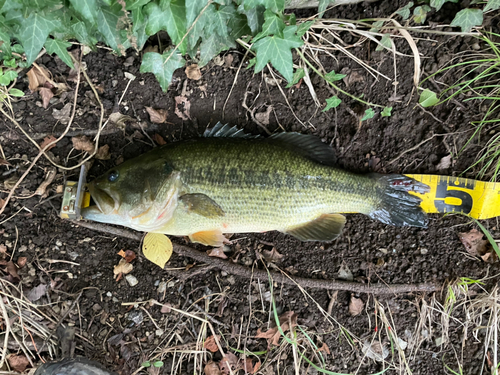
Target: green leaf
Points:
(60, 49)
(34, 32)
(139, 28)
(107, 24)
(273, 25)
(385, 42)
(386, 112)
(87, 8)
(276, 6)
(81, 32)
(239, 27)
(162, 66)
(212, 46)
(376, 26)
(332, 102)
(303, 27)
(7, 77)
(198, 29)
(135, 4)
(251, 62)
(332, 76)
(10, 63)
(171, 16)
(158, 364)
(297, 76)
(437, 4)
(428, 98)
(420, 13)
(16, 92)
(492, 5)
(278, 51)
(146, 364)
(193, 9)
(323, 4)
(405, 12)
(369, 113)
(221, 18)
(467, 19)
(255, 17)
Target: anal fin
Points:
(209, 237)
(327, 227)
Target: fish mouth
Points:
(105, 201)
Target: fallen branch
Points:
(243, 271)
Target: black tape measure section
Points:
(446, 188)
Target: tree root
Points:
(243, 271)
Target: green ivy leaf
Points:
(170, 16)
(405, 12)
(273, 25)
(278, 51)
(139, 28)
(87, 8)
(369, 113)
(107, 24)
(332, 76)
(276, 6)
(255, 17)
(323, 4)
(33, 33)
(376, 26)
(303, 27)
(386, 112)
(10, 63)
(7, 77)
(492, 5)
(238, 25)
(332, 102)
(162, 66)
(467, 19)
(385, 42)
(297, 76)
(81, 32)
(437, 4)
(16, 92)
(60, 49)
(220, 20)
(211, 47)
(193, 9)
(135, 4)
(420, 13)
(428, 98)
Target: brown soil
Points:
(373, 252)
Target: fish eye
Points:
(113, 176)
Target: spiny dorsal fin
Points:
(309, 145)
(226, 131)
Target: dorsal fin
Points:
(308, 145)
(226, 131)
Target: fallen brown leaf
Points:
(263, 117)
(217, 252)
(166, 308)
(211, 368)
(229, 364)
(182, 102)
(37, 76)
(474, 243)
(356, 306)
(122, 268)
(63, 114)
(129, 256)
(18, 362)
(158, 116)
(119, 119)
(247, 366)
(159, 139)
(21, 261)
(273, 335)
(46, 141)
(46, 94)
(324, 348)
(444, 163)
(83, 143)
(103, 153)
(11, 269)
(193, 72)
(211, 343)
(272, 256)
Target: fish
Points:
(73, 366)
(232, 182)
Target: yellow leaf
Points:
(157, 248)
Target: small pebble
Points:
(424, 251)
(59, 243)
(109, 294)
(131, 280)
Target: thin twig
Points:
(242, 271)
(7, 331)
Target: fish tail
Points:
(396, 206)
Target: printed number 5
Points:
(444, 191)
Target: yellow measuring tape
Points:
(478, 199)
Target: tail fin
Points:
(398, 207)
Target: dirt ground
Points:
(77, 264)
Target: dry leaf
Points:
(4, 162)
(3, 249)
(263, 117)
(37, 76)
(51, 175)
(122, 268)
(272, 256)
(345, 273)
(128, 255)
(229, 361)
(119, 119)
(193, 72)
(182, 102)
(273, 335)
(444, 163)
(228, 60)
(211, 368)
(352, 78)
(375, 350)
(63, 115)
(474, 243)
(166, 308)
(46, 141)
(324, 348)
(46, 94)
(247, 366)
(21, 261)
(159, 140)
(211, 343)
(37, 292)
(11, 269)
(103, 153)
(83, 143)
(356, 306)
(18, 362)
(158, 116)
(157, 248)
(217, 252)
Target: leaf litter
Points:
(46, 141)
(193, 72)
(83, 143)
(287, 321)
(477, 246)
(157, 116)
(356, 306)
(211, 343)
(182, 107)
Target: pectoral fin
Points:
(327, 227)
(201, 204)
(209, 237)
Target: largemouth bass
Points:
(230, 182)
